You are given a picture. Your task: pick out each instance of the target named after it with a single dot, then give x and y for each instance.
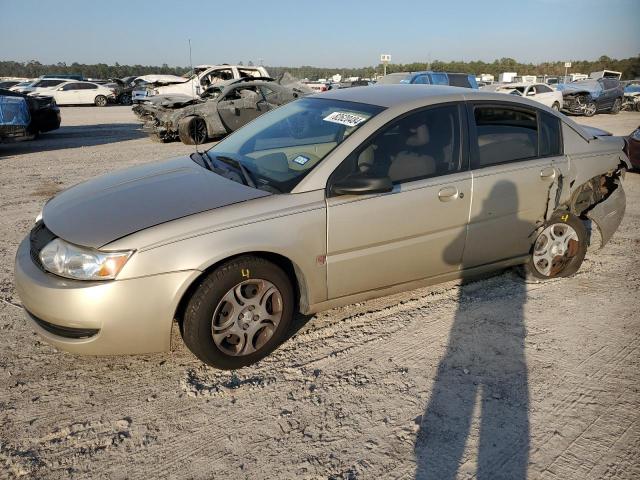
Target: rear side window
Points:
(505, 134)
(550, 139)
(543, 89)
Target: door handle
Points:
(547, 173)
(446, 194)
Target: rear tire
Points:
(192, 130)
(100, 101)
(555, 106)
(617, 106)
(559, 249)
(239, 313)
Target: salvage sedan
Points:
(331, 199)
(222, 109)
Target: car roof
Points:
(397, 95)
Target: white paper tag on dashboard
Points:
(344, 118)
(300, 160)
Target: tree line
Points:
(630, 68)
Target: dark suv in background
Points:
(431, 78)
(587, 97)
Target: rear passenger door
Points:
(513, 161)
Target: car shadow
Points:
(481, 385)
(76, 136)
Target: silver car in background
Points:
(331, 199)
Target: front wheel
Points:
(239, 313)
(559, 249)
(556, 106)
(101, 101)
(590, 109)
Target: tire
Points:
(616, 107)
(125, 99)
(228, 324)
(570, 235)
(555, 106)
(192, 130)
(100, 101)
(590, 109)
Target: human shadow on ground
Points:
(483, 372)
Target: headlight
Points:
(636, 135)
(81, 263)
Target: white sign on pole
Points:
(385, 58)
(567, 64)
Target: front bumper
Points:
(117, 317)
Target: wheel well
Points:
(283, 262)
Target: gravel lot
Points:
(391, 388)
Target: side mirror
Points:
(359, 184)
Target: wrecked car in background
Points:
(534, 91)
(587, 97)
(194, 82)
(223, 108)
(631, 99)
(24, 117)
(633, 148)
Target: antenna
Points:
(193, 94)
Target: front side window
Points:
(48, 83)
(71, 86)
(421, 80)
(420, 145)
(505, 134)
(280, 147)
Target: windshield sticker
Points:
(300, 160)
(344, 118)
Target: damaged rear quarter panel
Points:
(594, 167)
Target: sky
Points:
(327, 33)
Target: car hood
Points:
(591, 87)
(106, 208)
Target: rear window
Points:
(459, 80)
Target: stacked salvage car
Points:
(221, 109)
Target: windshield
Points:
(394, 78)
(279, 148)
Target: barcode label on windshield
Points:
(344, 118)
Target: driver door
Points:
(414, 232)
(240, 106)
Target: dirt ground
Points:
(495, 379)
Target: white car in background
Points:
(535, 91)
(74, 92)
